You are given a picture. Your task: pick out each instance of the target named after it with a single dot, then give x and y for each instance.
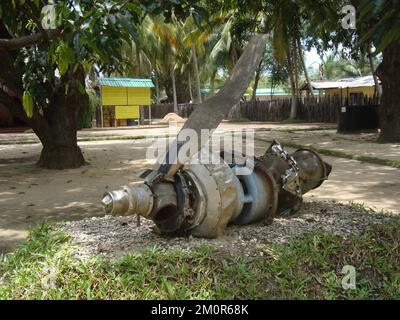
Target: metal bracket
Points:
(290, 180)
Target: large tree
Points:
(379, 23)
(376, 22)
(43, 50)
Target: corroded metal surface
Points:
(204, 198)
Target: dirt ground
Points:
(356, 144)
(29, 194)
(160, 128)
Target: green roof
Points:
(267, 92)
(126, 82)
(259, 92)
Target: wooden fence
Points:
(317, 109)
(159, 111)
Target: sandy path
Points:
(160, 129)
(355, 144)
(29, 194)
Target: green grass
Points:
(46, 268)
(18, 142)
(241, 119)
(340, 154)
(289, 121)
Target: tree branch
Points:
(28, 11)
(14, 106)
(26, 41)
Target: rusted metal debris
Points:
(203, 199)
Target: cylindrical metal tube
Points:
(129, 200)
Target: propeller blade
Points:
(211, 112)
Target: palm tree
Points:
(221, 51)
(336, 67)
(169, 44)
(303, 64)
(198, 38)
(193, 39)
(378, 89)
(285, 25)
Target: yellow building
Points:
(122, 99)
(351, 89)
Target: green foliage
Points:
(45, 267)
(27, 103)
(338, 67)
(379, 22)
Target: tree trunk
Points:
(389, 111)
(303, 63)
(157, 85)
(58, 136)
(196, 71)
(234, 55)
(293, 109)
(57, 124)
(174, 89)
(256, 80)
(295, 68)
(321, 71)
(378, 89)
(272, 82)
(57, 128)
(60, 152)
(190, 87)
(139, 67)
(212, 82)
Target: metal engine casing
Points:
(204, 198)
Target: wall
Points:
(367, 91)
(120, 96)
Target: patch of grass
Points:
(361, 207)
(101, 138)
(306, 129)
(18, 142)
(289, 121)
(241, 119)
(341, 154)
(45, 268)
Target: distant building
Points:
(122, 99)
(261, 93)
(352, 89)
(268, 94)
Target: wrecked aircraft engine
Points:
(203, 199)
